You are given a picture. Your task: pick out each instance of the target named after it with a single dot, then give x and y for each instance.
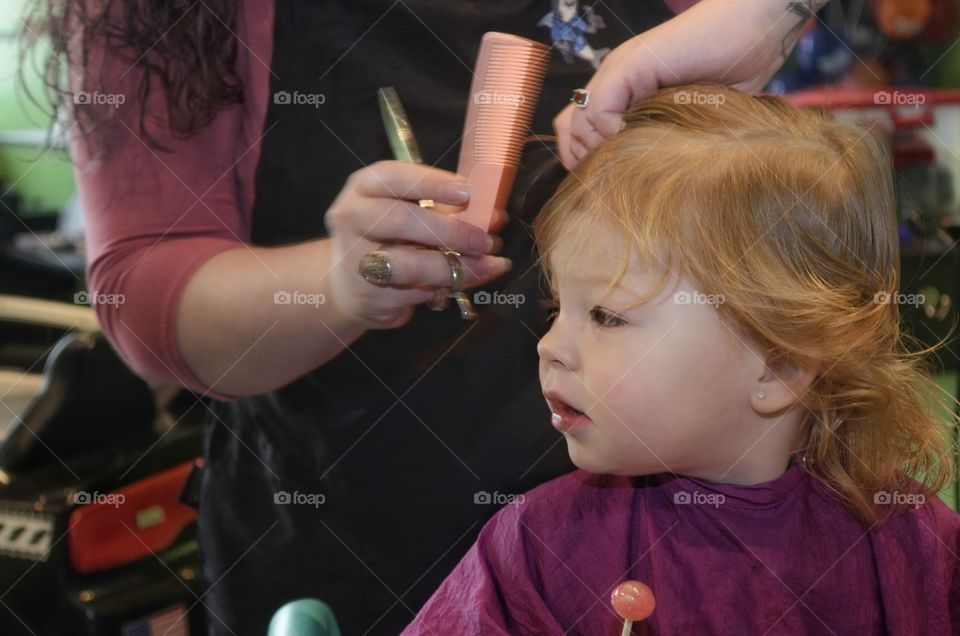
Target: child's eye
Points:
(606, 319)
(551, 306)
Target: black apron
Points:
(413, 437)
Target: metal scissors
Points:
(404, 147)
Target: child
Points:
(726, 367)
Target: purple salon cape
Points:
(781, 557)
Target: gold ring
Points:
(375, 267)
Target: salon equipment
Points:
(95, 537)
(399, 131)
(304, 617)
(508, 76)
(506, 85)
(403, 143)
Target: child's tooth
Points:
(555, 417)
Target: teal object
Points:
(304, 617)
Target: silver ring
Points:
(580, 98)
(375, 267)
(442, 294)
(456, 270)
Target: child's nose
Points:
(555, 347)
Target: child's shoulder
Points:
(944, 515)
(929, 516)
(925, 535)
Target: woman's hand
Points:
(377, 209)
(741, 43)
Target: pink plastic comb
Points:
(503, 97)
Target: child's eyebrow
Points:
(644, 292)
(599, 281)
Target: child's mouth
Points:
(572, 410)
(563, 416)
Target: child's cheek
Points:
(622, 397)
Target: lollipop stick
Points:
(633, 601)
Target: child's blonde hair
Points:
(789, 217)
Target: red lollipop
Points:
(633, 601)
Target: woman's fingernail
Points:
(504, 264)
(482, 242)
(457, 192)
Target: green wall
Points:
(948, 382)
(43, 179)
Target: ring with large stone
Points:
(375, 267)
(580, 98)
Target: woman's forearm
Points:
(253, 319)
(740, 42)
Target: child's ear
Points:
(782, 385)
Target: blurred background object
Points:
(97, 524)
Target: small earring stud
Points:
(761, 395)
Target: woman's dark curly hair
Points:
(188, 46)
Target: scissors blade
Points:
(399, 131)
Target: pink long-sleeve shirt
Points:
(152, 217)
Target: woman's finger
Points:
(409, 181)
(446, 209)
(390, 221)
(500, 218)
(411, 267)
(583, 130)
(561, 126)
(577, 149)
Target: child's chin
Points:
(587, 459)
